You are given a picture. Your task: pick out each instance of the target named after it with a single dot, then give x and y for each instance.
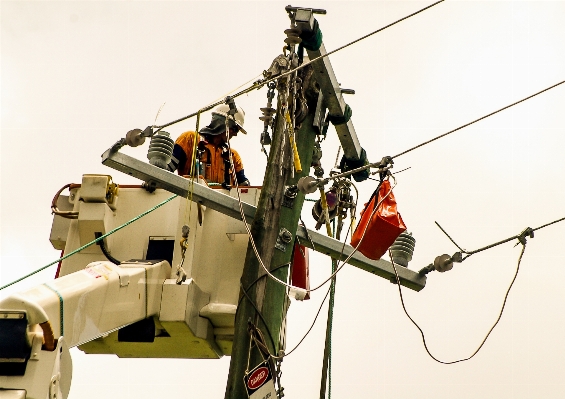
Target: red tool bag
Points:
(379, 228)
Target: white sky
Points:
(75, 76)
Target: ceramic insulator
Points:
(160, 150)
(403, 248)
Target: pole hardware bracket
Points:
(442, 263)
(283, 239)
(289, 196)
(527, 232)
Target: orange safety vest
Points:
(212, 162)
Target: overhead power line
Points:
(260, 83)
(477, 120)
(520, 237)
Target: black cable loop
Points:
(259, 314)
(105, 250)
(489, 332)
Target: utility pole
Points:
(268, 296)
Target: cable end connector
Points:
(426, 270)
(527, 232)
(442, 263)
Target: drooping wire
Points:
(489, 332)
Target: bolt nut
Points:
(285, 235)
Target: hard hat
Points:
(238, 118)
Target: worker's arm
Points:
(242, 180)
(178, 160)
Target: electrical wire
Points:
(477, 120)
(522, 236)
(252, 241)
(259, 84)
(91, 242)
(489, 332)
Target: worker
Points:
(212, 149)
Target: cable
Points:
(521, 238)
(246, 290)
(492, 328)
(477, 120)
(91, 242)
(260, 83)
(259, 314)
(56, 211)
(310, 329)
(105, 250)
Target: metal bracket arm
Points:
(329, 86)
(230, 206)
(332, 247)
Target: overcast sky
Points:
(76, 76)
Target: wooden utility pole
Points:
(264, 295)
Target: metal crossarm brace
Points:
(333, 99)
(227, 205)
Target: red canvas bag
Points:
(299, 269)
(380, 227)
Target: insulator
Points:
(160, 149)
(443, 263)
(293, 36)
(134, 138)
(267, 114)
(403, 248)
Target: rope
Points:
(327, 364)
(260, 83)
(91, 242)
(330, 324)
(488, 334)
(477, 120)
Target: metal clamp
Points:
(283, 239)
(289, 196)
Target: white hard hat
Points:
(238, 118)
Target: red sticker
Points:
(257, 378)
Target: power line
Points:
(260, 83)
(477, 120)
(489, 332)
(528, 231)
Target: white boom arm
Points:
(38, 326)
